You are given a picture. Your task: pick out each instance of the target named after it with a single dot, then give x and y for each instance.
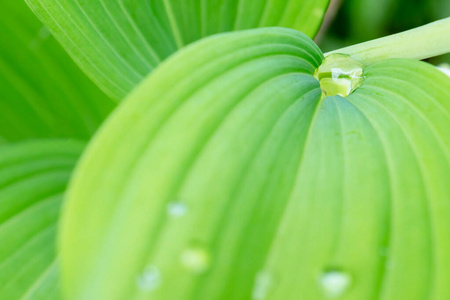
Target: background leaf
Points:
(119, 42)
(43, 93)
(266, 191)
(33, 179)
(362, 20)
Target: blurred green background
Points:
(356, 21)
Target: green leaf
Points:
(43, 93)
(119, 42)
(33, 178)
(226, 175)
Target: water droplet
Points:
(263, 284)
(335, 283)
(318, 12)
(176, 209)
(149, 279)
(339, 75)
(196, 259)
(44, 33)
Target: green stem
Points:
(419, 43)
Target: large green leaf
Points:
(43, 93)
(119, 42)
(33, 179)
(226, 175)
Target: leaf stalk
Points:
(419, 43)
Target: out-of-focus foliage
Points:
(33, 179)
(362, 20)
(43, 93)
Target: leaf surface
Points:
(33, 179)
(227, 176)
(119, 42)
(43, 93)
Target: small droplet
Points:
(176, 209)
(263, 284)
(149, 279)
(339, 75)
(196, 259)
(44, 33)
(335, 283)
(318, 12)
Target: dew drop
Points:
(176, 209)
(44, 33)
(149, 279)
(263, 284)
(339, 75)
(195, 259)
(335, 283)
(318, 12)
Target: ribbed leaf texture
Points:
(227, 176)
(119, 42)
(33, 179)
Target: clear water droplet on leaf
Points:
(263, 284)
(176, 209)
(335, 283)
(196, 259)
(339, 75)
(149, 279)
